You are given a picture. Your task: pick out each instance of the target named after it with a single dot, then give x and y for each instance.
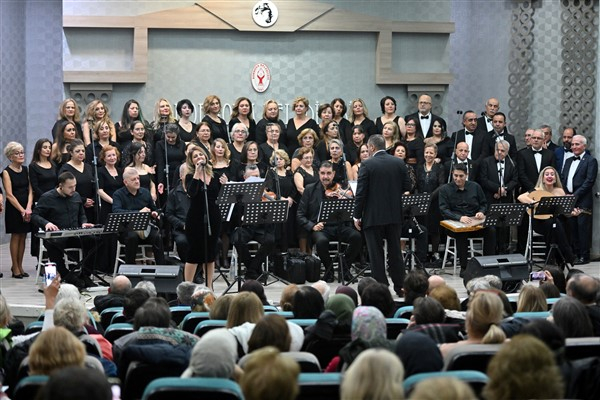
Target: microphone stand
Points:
(277, 187)
(207, 222)
(168, 185)
(98, 200)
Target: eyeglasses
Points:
(18, 153)
(411, 124)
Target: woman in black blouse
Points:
(239, 134)
(203, 136)
(330, 132)
(211, 108)
(400, 151)
(131, 112)
(242, 112)
(170, 159)
(359, 115)
(251, 155)
(439, 137)
(68, 112)
(84, 176)
(339, 110)
(388, 114)
(270, 114)
(143, 137)
(298, 123)
(325, 114)
(304, 175)
(163, 114)
(67, 132)
(280, 180)
(414, 142)
(102, 139)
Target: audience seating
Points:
(208, 325)
(115, 331)
(577, 348)
(325, 350)
(143, 256)
(178, 313)
(476, 379)
(270, 309)
(33, 327)
(118, 318)
(285, 314)
(395, 326)
(319, 386)
(404, 312)
(139, 375)
(531, 315)
(470, 357)
(28, 387)
(191, 321)
(192, 389)
(107, 314)
(307, 361)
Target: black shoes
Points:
(581, 261)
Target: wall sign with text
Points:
(260, 77)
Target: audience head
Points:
(286, 301)
(559, 278)
(220, 308)
(185, 290)
(323, 288)
(68, 291)
(54, 349)
(308, 303)
(269, 375)
(120, 285)
(348, 291)
(154, 312)
(245, 307)
(571, 316)
(428, 310)
(484, 314)
(523, 368)
(342, 306)
(452, 388)
(550, 290)
(363, 283)
(70, 314)
(419, 353)
(213, 356)
(374, 374)
(202, 299)
(75, 383)
(5, 314)
(435, 281)
(583, 288)
(270, 330)
(147, 286)
(547, 332)
(415, 286)
(255, 287)
(447, 296)
(368, 323)
(134, 300)
(531, 299)
(378, 295)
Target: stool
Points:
(538, 246)
(253, 246)
(141, 256)
(450, 248)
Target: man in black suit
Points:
(578, 178)
(424, 115)
(548, 143)
(485, 122)
(564, 152)
(479, 143)
(499, 132)
(461, 156)
(498, 179)
(530, 161)
(323, 232)
(382, 179)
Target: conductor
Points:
(382, 179)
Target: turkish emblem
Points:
(260, 77)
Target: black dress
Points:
(235, 155)
(175, 155)
(42, 179)
(286, 231)
(20, 189)
(185, 135)
(145, 181)
(379, 124)
(291, 133)
(345, 130)
(415, 148)
(251, 128)
(195, 224)
(218, 129)
(306, 177)
(109, 184)
(86, 187)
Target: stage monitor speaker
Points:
(510, 268)
(165, 277)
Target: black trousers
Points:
(131, 240)
(341, 233)
(263, 235)
(374, 237)
(56, 247)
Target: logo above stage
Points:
(265, 13)
(260, 77)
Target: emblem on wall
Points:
(265, 13)
(260, 77)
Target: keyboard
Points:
(63, 233)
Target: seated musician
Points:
(261, 233)
(549, 184)
(133, 198)
(323, 232)
(59, 209)
(178, 204)
(464, 201)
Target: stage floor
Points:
(27, 302)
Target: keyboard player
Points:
(60, 209)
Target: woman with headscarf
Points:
(214, 356)
(418, 353)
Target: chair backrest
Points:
(404, 312)
(118, 318)
(325, 349)
(577, 348)
(303, 323)
(286, 314)
(107, 314)
(115, 331)
(191, 321)
(139, 375)
(192, 389)
(28, 387)
(33, 327)
(475, 379)
(178, 313)
(319, 386)
(270, 309)
(395, 326)
(470, 357)
(208, 325)
(532, 314)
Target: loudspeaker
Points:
(510, 268)
(165, 277)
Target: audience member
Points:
(220, 308)
(268, 375)
(184, 291)
(348, 291)
(447, 296)
(435, 281)
(572, 318)
(270, 330)
(250, 285)
(452, 388)
(418, 353)
(379, 296)
(245, 311)
(427, 310)
(363, 283)
(308, 303)
(586, 288)
(76, 383)
(286, 301)
(148, 286)
(415, 286)
(202, 299)
(531, 299)
(134, 299)
(323, 288)
(116, 294)
(214, 356)
(54, 349)
(550, 290)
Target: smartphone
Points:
(537, 276)
(50, 273)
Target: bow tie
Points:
(488, 119)
(468, 133)
(567, 150)
(576, 158)
(537, 152)
(425, 117)
(500, 161)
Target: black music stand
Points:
(230, 195)
(555, 206)
(337, 211)
(127, 221)
(415, 205)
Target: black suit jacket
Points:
(382, 179)
(528, 172)
(481, 125)
(509, 138)
(418, 117)
(310, 204)
(480, 147)
(583, 180)
(472, 169)
(489, 179)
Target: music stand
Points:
(336, 211)
(555, 206)
(415, 205)
(127, 221)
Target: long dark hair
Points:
(37, 148)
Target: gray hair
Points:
(71, 314)
(484, 283)
(185, 290)
(503, 143)
(68, 291)
(148, 286)
(323, 288)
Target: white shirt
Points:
(572, 170)
(425, 123)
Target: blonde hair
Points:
(5, 314)
(376, 374)
(540, 182)
(306, 132)
(395, 130)
(532, 299)
(189, 160)
(452, 388)
(11, 148)
(483, 317)
(286, 302)
(269, 374)
(209, 99)
(270, 101)
(55, 349)
(365, 110)
(226, 154)
(301, 99)
(63, 105)
(281, 154)
(245, 307)
(171, 117)
(90, 112)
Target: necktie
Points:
(488, 119)
(425, 117)
(576, 158)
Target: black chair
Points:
(191, 321)
(178, 313)
(578, 348)
(115, 331)
(28, 387)
(395, 326)
(107, 314)
(325, 350)
(470, 357)
(319, 386)
(139, 375)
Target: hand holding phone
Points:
(49, 273)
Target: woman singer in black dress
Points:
(204, 251)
